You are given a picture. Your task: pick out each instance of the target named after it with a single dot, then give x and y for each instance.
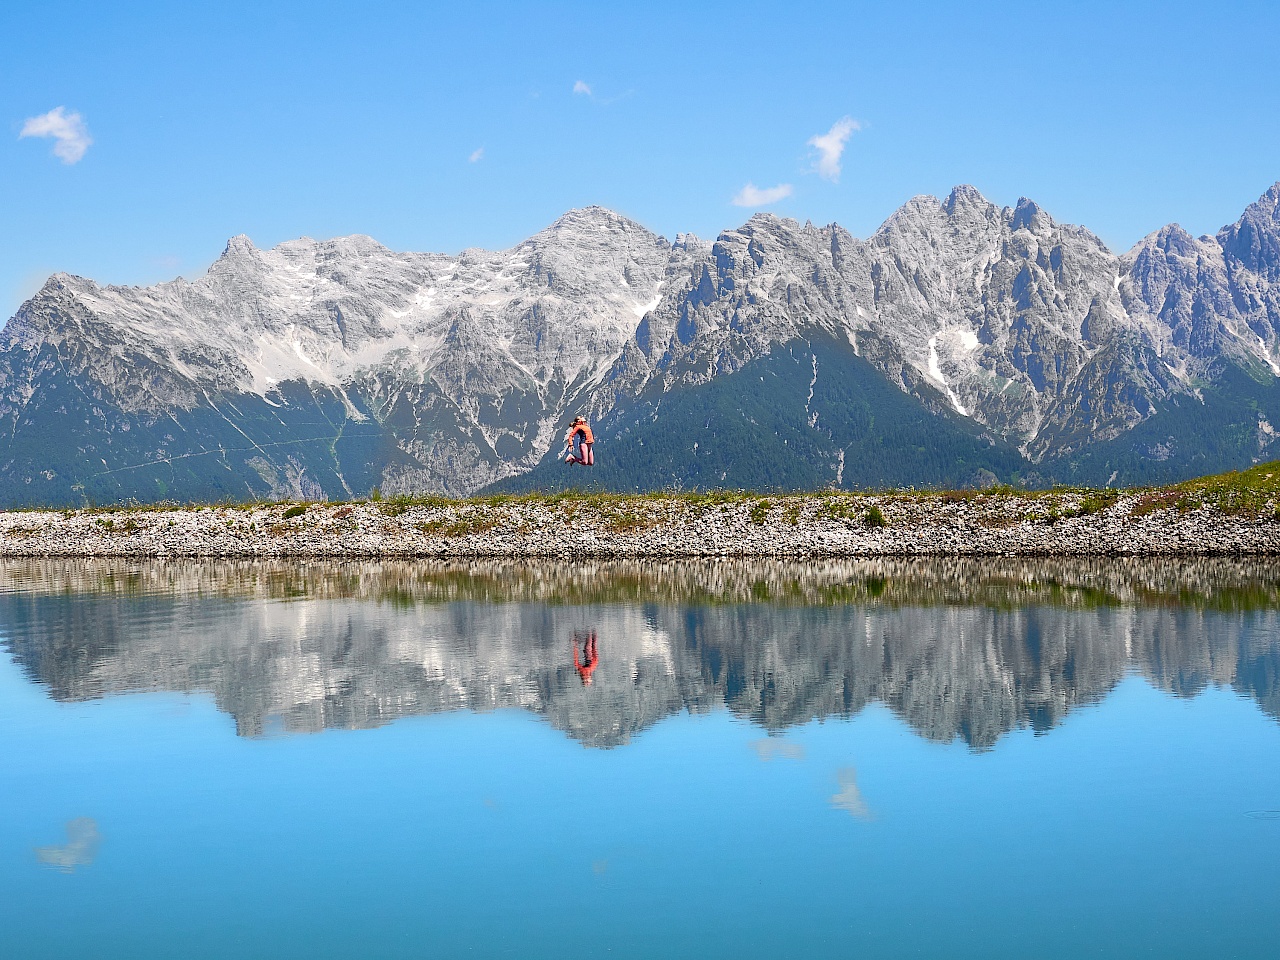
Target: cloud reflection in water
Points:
(849, 797)
(83, 840)
(771, 748)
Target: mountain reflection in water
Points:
(967, 650)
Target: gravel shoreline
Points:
(619, 527)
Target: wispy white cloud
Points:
(583, 89)
(830, 147)
(753, 196)
(68, 129)
(476, 155)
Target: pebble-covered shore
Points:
(605, 527)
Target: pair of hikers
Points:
(577, 443)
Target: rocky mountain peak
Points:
(591, 214)
(593, 221)
(966, 196)
(1170, 240)
(1263, 213)
(1271, 200)
(355, 245)
(59, 282)
(239, 245)
(762, 226)
(769, 247)
(919, 209)
(690, 242)
(1253, 242)
(239, 257)
(1028, 215)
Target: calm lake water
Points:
(991, 759)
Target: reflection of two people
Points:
(586, 665)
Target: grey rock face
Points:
(470, 359)
(1032, 328)
(999, 314)
(1212, 297)
(328, 367)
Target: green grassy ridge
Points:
(1251, 492)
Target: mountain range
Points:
(963, 344)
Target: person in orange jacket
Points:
(590, 657)
(579, 433)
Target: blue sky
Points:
(286, 119)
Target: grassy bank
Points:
(1254, 492)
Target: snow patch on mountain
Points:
(935, 371)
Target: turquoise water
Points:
(198, 764)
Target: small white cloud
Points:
(580, 87)
(753, 196)
(476, 155)
(830, 147)
(66, 128)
